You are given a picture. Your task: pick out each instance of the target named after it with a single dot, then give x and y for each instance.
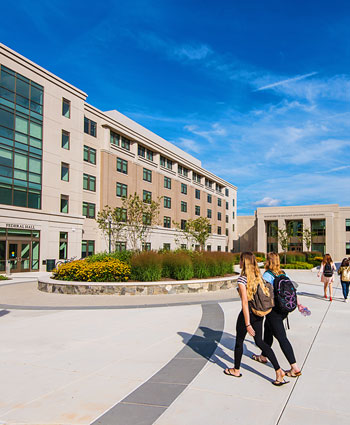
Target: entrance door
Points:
(19, 256)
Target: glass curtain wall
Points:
(21, 135)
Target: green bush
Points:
(146, 266)
(292, 257)
(178, 265)
(260, 255)
(124, 256)
(2, 277)
(310, 255)
(200, 266)
(299, 265)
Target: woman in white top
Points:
(326, 272)
(247, 321)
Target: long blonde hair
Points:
(273, 263)
(327, 259)
(250, 269)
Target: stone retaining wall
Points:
(135, 288)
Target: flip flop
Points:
(227, 372)
(279, 383)
(258, 359)
(291, 374)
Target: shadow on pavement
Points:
(4, 312)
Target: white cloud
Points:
(288, 80)
(188, 144)
(267, 202)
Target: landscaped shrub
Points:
(2, 277)
(178, 265)
(292, 257)
(235, 258)
(146, 266)
(200, 266)
(260, 256)
(299, 265)
(311, 255)
(111, 270)
(105, 256)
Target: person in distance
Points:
(326, 272)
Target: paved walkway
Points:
(159, 360)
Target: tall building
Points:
(62, 160)
(329, 224)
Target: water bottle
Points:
(305, 311)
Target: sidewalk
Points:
(103, 360)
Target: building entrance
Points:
(19, 248)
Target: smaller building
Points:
(329, 224)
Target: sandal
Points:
(279, 383)
(258, 359)
(292, 374)
(227, 372)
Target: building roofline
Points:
(16, 57)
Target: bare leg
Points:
(330, 291)
(325, 289)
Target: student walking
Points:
(326, 272)
(247, 321)
(274, 326)
(344, 272)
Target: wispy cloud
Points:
(267, 202)
(189, 145)
(287, 81)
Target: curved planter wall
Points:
(136, 288)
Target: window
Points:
(226, 205)
(65, 139)
(219, 248)
(318, 228)
(184, 188)
(226, 218)
(63, 246)
(167, 182)
(66, 108)
(208, 183)
(120, 246)
(89, 155)
(166, 246)
(219, 230)
(166, 163)
(149, 156)
(209, 248)
(87, 248)
(183, 246)
(226, 191)
(196, 177)
(122, 190)
(233, 214)
(122, 166)
(219, 202)
(64, 204)
(233, 229)
(226, 232)
(122, 214)
(347, 224)
(90, 127)
(197, 210)
(347, 248)
(146, 246)
(125, 143)
(218, 188)
(147, 196)
(209, 228)
(209, 199)
(167, 222)
(89, 182)
(183, 206)
(182, 171)
(183, 224)
(114, 138)
(147, 175)
(233, 202)
(167, 202)
(141, 151)
(198, 194)
(64, 172)
(219, 216)
(89, 210)
(209, 213)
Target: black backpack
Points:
(327, 270)
(285, 294)
(262, 304)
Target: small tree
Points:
(307, 235)
(283, 236)
(196, 230)
(110, 221)
(141, 216)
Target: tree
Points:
(196, 230)
(112, 223)
(283, 237)
(140, 218)
(307, 235)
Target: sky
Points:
(257, 90)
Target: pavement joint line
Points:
(305, 360)
(206, 320)
(144, 404)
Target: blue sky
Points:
(257, 90)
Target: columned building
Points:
(62, 160)
(329, 224)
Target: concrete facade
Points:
(329, 223)
(64, 169)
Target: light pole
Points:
(109, 233)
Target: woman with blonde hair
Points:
(247, 321)
(274, 326)
(344, 272)
(326, 272)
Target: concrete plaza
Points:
(159, 360)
